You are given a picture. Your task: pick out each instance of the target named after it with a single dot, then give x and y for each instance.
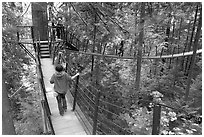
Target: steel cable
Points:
(113, 105)
(106, 126)
(87, 89)
(108, 111)
(115, 124)
(85, 114)
(87, 97)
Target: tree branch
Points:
(78, 14)
(100, 17)
(25, 11)
(113, 21)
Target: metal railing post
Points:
(53, 55)
(156, 120)
(75, 93)
(66, 67)
(48, 117)
(95, 113)
(33, 38)
(18, 36)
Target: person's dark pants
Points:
(62, 104)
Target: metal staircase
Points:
(44, 49)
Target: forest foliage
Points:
(20, 73)
(167, 28)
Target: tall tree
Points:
(195, 46)
(40, 19)
(191, 39)
(139, 54)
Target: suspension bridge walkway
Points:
(68, 124)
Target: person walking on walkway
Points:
(61, 81)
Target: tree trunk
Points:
(139, 54)
(93, 49)
(7, 121)
(191, 40)
(97, 66)
(193, 29)
(150, 8)
(195, 46)
(168, 28)
(40, 20)
(186, 43)
(174, 25)
(135, 41)
(179, 33)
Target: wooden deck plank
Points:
(63, 125)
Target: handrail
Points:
(27, 51)
(44, 101)
(144, 57)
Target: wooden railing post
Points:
(75, 93)
(96, 113)
(156, 120)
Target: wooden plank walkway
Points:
(63, 125)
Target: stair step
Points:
(44, 46)
(44, 49)
(45, 52)
(43, 42)
(45, 57)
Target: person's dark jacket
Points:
(61, 82)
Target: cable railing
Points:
(88, 103)
(93, 107)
